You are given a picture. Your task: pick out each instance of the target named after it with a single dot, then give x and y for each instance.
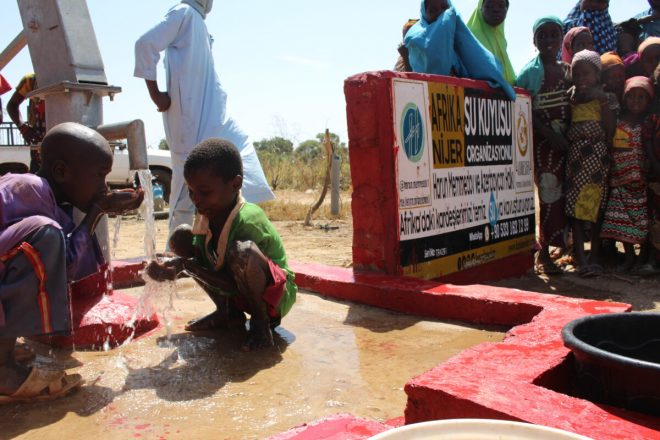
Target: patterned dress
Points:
(651, 133)
(626, 217)
(589, 162)
(551, 106)
(599, 23)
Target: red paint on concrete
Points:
(101, 318)
(511, 380)
(127, 273)
(477, 304)
(339, 427)
(375, 204)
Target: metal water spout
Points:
(136, 141)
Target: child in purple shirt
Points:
(42, 250)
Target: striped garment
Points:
(43, 301)
(626, 216)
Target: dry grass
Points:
(288, 172)
(279, 210)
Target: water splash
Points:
(157, 297)
(147, 212)
(115, 236)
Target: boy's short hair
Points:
(218, 155)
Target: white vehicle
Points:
(15, 158)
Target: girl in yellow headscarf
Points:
(487, 24)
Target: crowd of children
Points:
(595, 112)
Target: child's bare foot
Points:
(218, 320)
(260, 336)
(544, 264)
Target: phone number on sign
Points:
(511, 228)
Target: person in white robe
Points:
(194, 105)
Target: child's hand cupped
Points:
(120, 201)
(164, 271)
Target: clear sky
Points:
(282, 63)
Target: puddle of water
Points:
(330, 357)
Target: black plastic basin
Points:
(618, 359)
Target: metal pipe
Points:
(13, 49)
(136, 141)
(335, 174)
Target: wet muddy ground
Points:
(331, 357)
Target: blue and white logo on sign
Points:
(412, 129)
(493, 212)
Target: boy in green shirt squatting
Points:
(233, 251)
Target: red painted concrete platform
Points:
(126, 273)
(525, 378)
(102, 318)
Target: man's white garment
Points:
(198, 109)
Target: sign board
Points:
(464, 173)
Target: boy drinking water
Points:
(42, 250)
(237, 255)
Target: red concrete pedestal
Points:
(375, 200)
(102, 318)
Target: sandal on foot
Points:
(42, 386)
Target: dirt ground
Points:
(330, 242)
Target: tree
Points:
(276, 144)
(275, 154)
(336, 142)
(162, 145)
(309, 150)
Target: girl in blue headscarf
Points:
(441, 44)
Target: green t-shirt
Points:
(251, 224)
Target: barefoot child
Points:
(239, 259)
(588, 162)
(626, 216)
(548, 80)
(41, 250)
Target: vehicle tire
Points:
(164, 179)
